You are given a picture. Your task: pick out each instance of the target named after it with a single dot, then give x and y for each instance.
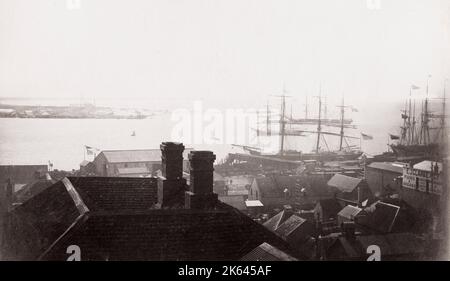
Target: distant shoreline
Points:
(84, 111)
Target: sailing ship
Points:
(418, 141)
(345, 151)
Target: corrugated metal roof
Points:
(138, 155)
(344, 183)
(388, 166)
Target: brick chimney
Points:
(171, 185)
(348, 230)
(200, 194)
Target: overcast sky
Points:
(227, 52)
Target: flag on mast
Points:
(90, 150)
(414, 87)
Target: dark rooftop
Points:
(380, 217)
(393, 246)
(115, 219)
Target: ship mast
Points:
(413, 129)
(319, 121)
(342, 125)
(282, 122)
(257, 126)
(443, 119)
(268, 120)
(409, 140)
(425, 118)
(405, 125)
(306, 107)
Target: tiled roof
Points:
(290, 225)
(115, 219)
(274, 222)
(388, 166)
(110, 194)
(236, 201)
(39, 221)
(167, 235)
(266, 252)
(344, 183)
(349, 212)
(138, 155)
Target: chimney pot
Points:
(202, 171)
(200, 194)
(172, 185)
(172, 160)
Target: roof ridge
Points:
(79, 204)
(82, 218)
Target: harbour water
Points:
(62, 141)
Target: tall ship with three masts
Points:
(288, 126)
(423, 136)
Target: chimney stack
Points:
(200, 194)
(348, 230)
(172, 160)
(171, 185)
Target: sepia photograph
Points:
(244, 132)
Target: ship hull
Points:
(417, 150)
(323, 156)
